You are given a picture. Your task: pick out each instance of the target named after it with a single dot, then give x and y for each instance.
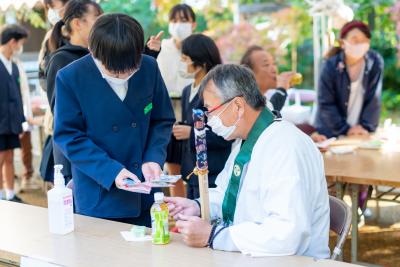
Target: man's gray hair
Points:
(232, 81)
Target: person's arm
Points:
(329, 120)
(278, 99)
(153, 53)
(161, 122)
(70, 136)
(287, 226)
(369, 118)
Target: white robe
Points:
(283, 203)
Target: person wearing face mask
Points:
(199, 56)
(70, 38)
(112, 120)
(349, 94)
(54, 10)
(182, 22)
(12, 39)
(271, 197)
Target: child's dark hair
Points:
(184, 11)
(75, 9)
(10, 32)
(202, 50)
(117, 40)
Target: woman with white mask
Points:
(349, 94)
(199, 56)
(55, 11)
(182, 22)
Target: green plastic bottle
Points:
(159, 220)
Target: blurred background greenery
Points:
(284, 27)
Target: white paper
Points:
(129, 236)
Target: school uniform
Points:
(101, 134)
(11, 107)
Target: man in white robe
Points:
(271, 198)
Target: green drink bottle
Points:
(159, 220)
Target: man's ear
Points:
(194, 25)
(240, 104)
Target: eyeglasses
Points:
(208, 112)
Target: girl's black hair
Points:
(75, 9)
(182, 9)
(117, 40)
(202, 50)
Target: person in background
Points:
(349, 95)
(182, 22)
(112, 120)
(27, 182)
(350, 87)
(271, 197)
(265, 71)
(12, 39)
(54, 10)
(70, 37)
(199, 56)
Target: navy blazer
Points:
(11, 107)
(101, 135)
(334, 92)
(218, 149)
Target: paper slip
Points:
(132, 186)
(170, 178)
(130, 237)
(326, 143)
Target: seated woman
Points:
(350, 85)
(199, 56)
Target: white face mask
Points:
(219, 128)
(53, 16)
(356, 51)
(19, 52)
(110, 79)
(180, 31)
(183, 70)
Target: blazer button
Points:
(115, 128)
(136, 166)
(133, 125)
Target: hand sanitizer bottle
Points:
(60, 205)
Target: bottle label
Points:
(160, 227)
(68, 204)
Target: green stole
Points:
(264, 120)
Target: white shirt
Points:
(119, 90)
(356, 100)
(193, 91)
(169, 61)
(26, 96)
(283, 203)
(7, 63)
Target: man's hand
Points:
(283, 79)
(195, 231)
(181, 132)
(357, 130)
(124, 174)
(151, 171)
(155, 42)
(183, 206)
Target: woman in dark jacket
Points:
(70, 39)
(349, 95)
(199, 56)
